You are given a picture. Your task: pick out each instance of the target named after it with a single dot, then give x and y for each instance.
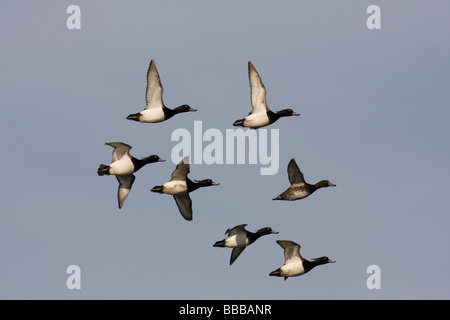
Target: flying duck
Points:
(180, 186)
(123, 165)
(260, 115)
(294, 264)
(155, 110)
(239, 238)
(300, 189)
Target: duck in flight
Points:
(155, 110)
(239, 238)
(180, 186)
(294, 264)
(123, 165)
(260, 116)
(300, 189)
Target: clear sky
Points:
(375, 110)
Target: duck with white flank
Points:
(294, 264)
(239, 238)
(300, 189)
(123, 165)
(180, 186)
(155, 110)
(260, 115)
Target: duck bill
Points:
(192, 109)
(212, 183)
(295, 114)
(329, 260)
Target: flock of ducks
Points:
(124, 165)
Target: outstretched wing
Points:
(181, 171)
(257, 90)
(120, 149)
(184, 204)
(294, 173)
(235, 230)
(154, 92)
(235, 254)
(125, 183)
(291, 251)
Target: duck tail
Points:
(239, 123)
(280, 197)
(103, 169)
(276, 273)
(134, 116)
(158, 189)
(220, 243)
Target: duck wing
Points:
(257, 90)
(120, 149)
(125, 183)
(235, 254)
(235, 230)
(181, 171)
(184, 204)
(291, 251)
(294, 173)
(154, 92)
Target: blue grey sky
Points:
(374, 108)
